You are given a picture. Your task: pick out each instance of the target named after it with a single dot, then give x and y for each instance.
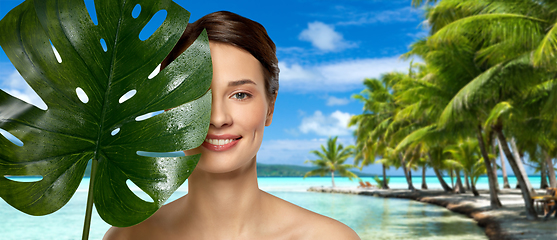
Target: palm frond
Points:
(473, 92)
(519, 29)
(546, 53)
(497, 111)
(319, 171)
(414, 137)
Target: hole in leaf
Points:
(161, 154)
(153, 24)
(148, 115)
(90, 5)
(103, 44)
(82, 95)
(56, 54)
(138, 192)
(115, 131)
(136, 11)
(155, 72)
(127, 96)
(29, 178)
(11, 137)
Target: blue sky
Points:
(325, 50)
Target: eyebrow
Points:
(240, 82)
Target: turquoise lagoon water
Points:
(370, 217)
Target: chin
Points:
(221, 166)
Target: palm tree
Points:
(378, 110)
(331, 160)
(466, 156)
(503, 48)
(449, 69)
(423, 163)
(365, 153)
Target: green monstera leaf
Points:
(60, 141)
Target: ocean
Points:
(370, 217)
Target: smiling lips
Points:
(220, 143)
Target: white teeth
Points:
(219, 141)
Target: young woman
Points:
(223, 200)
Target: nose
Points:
(220, 116)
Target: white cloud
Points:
(405, 14)
(334, 101)
(16, 86)
(324, 37)
(336, 77)
(335, 124)
(290, 49)
(420, 34)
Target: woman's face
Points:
(240, 110)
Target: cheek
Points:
(251, 117)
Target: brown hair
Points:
(238, 31)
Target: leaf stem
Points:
(89, 210)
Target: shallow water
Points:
(383, 218)
(370, 217)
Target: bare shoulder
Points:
(151, 228)
(310, 225)
(117, 233)
(323, 227)
(144, 230)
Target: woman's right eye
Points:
(241, 95)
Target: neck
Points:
(225, 203)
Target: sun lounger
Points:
(366, 185)
(369, 185)
(539, 203)
(362, 185)
(550, 205)
(546, 203)
(552, 210)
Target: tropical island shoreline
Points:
(508, 222)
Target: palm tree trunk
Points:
(543, 182)
(444, 185)
(333, 178)
(503, 169)
(474, 190)
(494, 162)
(466, 181)
(520, 166)
(424, 184)
(459, 182)
(550, 170)
(530, 211)
(384, 183)
(495, 203)
(406, 174)
(408, 177)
